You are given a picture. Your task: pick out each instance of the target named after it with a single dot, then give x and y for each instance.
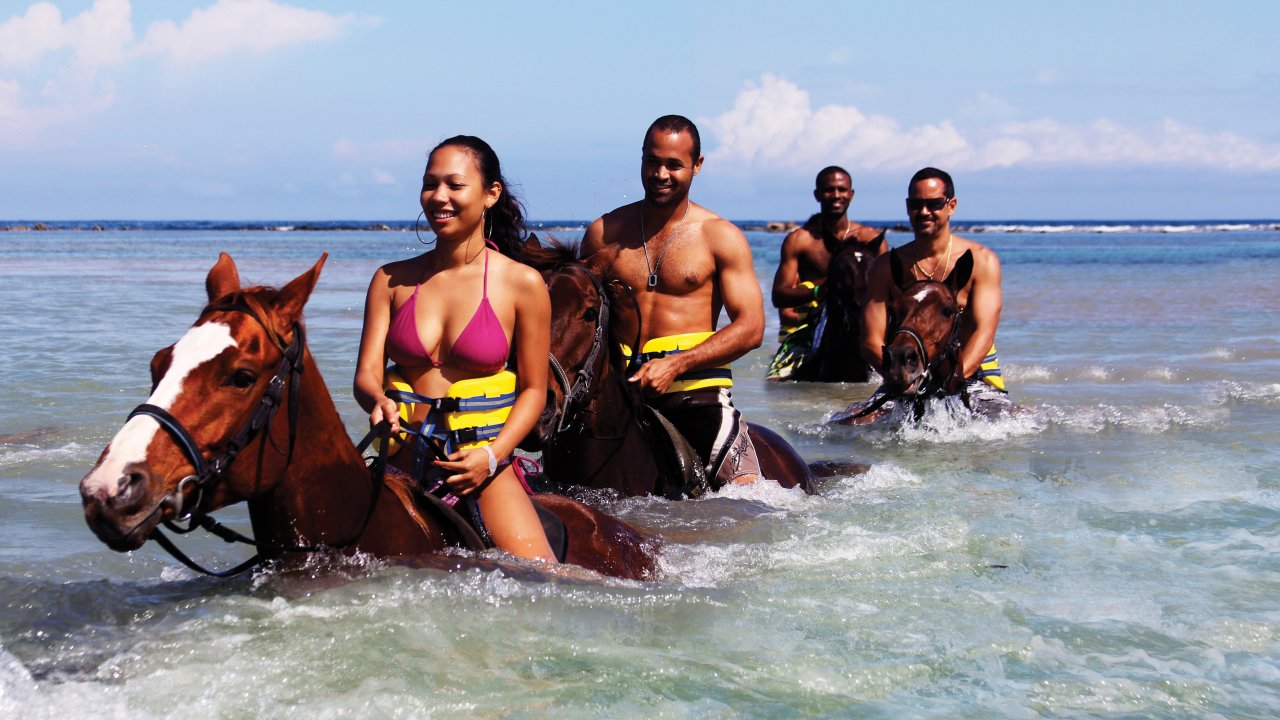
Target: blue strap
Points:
(453, 404)
(431, 428)
(705, 374)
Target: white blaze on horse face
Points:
(201, 344)
(922, 294)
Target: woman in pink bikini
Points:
(447, 320)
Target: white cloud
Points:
(394, 150)
(96, 37)
(93, 43)
(231, 26)
(24, 38)
(772, 125)
(382, 177)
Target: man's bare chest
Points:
(678, 269)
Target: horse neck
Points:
(619, 456)
(323, 490)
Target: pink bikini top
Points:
(481, 347)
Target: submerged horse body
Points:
(221, 428)
(597, 431)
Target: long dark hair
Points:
(504, 222)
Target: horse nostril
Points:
(134, 480)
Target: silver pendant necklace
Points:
(644, 242)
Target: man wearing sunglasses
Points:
(802, 270)
(931, 255)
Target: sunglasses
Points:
(934, 204)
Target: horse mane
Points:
(549, 254)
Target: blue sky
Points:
(261, 109)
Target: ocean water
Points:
(1113, 551)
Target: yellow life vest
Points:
(806, 312)
(989, 370)
(470, 416)
(656, 348)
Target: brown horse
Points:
(210, 435)
(835, 355)
(922, 355)
(596, 430)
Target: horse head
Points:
(214, 393)
(579, 335)
(847, 272)
(921, 356)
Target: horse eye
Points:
(242, 379)
(948, 312)
(590, 315)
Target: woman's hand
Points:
(386, 409)
(470, 468)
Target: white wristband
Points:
(493, 460)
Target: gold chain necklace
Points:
(644, 242)
(848, 226)
(945, 263)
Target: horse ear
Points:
(294, 295)
(960, 274)
(223, 278)
(899, 272)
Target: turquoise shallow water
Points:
(1111, 553)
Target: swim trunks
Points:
(701, 407)
(715, 429)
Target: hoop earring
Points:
(421, 214)
(484, 218)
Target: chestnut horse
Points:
(835, 355)
(596, 430)
(211, 435)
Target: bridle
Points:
(951, 350)
(579, 393)
(583, 390)
(209, 471)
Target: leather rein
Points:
(209, 471)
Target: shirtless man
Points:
(802, 271)
(686, 264)
(931, 201)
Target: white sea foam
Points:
(1228, 390)
(1097, 373)
(1110, 228)
(15, 455)
(1149, 419)
(948, 421)
(765, 491)
(1028, 373)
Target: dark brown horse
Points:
(239, 413)
(835, 355)
(596, 431)
(922, 353)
